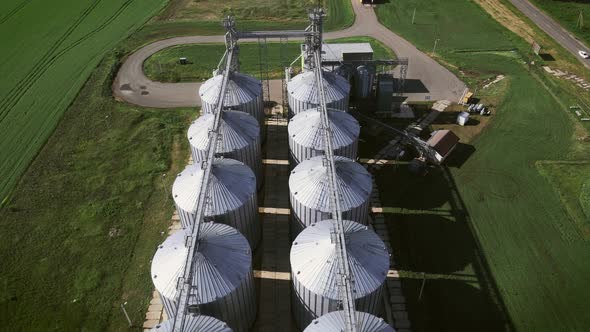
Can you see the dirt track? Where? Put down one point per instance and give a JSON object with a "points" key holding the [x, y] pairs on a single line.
{"points": [[426, 78]]}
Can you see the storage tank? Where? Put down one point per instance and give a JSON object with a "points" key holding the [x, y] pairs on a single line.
{"points": [[363, 81], [309, 194], [314, 269], [195, 323], [345, 70], [232, 196], [385, 90], [335, 322], [240, 139], [222, 275], [303, 92], [243, 93], [306, 135]]}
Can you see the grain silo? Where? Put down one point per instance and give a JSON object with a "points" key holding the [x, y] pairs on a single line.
{"points": [[243, 93], [314, 269], [232, 198], [345, 70], [309, 192], [363, 81], [303, 92], [385, 90], [335, 322], [306, 135], [223, 282], [240, 139], [195, 323]]}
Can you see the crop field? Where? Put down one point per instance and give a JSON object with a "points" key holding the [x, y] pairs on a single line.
{"points": [[82, 225], [268, 13], [567, 13], [164, 66], [530, 261], [49, 50]]}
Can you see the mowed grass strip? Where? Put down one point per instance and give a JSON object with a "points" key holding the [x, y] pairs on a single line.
{"points": [[538, 258], [164, 66], [49, 50], [80, 230]]}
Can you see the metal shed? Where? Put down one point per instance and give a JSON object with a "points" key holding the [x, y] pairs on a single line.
{"points": [[232, 196], [222, 275], [240, 135], [314, 268], [306, 134], [309, 188]]}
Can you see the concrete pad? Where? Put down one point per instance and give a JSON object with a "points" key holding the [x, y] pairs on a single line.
{"points": [[149, 324], [156, 300], [155, 307], [150, 315]]}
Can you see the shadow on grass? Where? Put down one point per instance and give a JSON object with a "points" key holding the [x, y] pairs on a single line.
{"points": [[431, 232]]}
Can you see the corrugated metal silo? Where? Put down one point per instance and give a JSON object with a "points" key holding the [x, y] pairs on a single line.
{"points": [[314, 269], [303, 95], [244, 94], [306, 135], [346, 71], [195, 323], [385, 90], [363, 81], [334, 322], [222, 277], [240, 139], [309, 187], [232, 196]]}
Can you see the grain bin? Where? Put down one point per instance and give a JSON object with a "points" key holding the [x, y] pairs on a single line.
{"points": [[335, 322], [310, 200], [314, 269], [306, 135], [194, 323], [346, 71], [303, 92], [385, 90], [232, 196], [222, 275], [243, 93], [240, 139], [363, 81]]}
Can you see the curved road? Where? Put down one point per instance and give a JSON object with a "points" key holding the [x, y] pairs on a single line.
{"points": [[553, 29], [437, 82]]}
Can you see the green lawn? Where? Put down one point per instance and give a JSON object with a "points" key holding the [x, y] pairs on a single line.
{"points": [[567, 13], [519, 230], [164, 66], [82, 225], [48, 51]]}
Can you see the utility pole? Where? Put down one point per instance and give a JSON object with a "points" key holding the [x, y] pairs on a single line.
{"points": [[581, 20], [414, 16], [126, 315], [434, 48], [423, 284]]}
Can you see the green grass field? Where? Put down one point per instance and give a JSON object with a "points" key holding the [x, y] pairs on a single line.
{"points": [[80, 230], [164, 66], [49, 50], [567, 13], [520, 238], [269, 14]]}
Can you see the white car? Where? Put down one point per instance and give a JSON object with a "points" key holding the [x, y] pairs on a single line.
{"points": [[584, 54]]}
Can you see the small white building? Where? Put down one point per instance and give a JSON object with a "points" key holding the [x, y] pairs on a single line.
{"points": [[342, 52]]}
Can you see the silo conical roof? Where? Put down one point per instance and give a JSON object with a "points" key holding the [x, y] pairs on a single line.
{"points": [[303, 87], [195, 323], [223, 261], [237, 129], [232, 184], [309, 183], [314, 259], [305, 129], [241, 89], [335, 322]]}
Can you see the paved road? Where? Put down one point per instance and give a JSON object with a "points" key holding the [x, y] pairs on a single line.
{"points": [[553, 29], [134, 87]]}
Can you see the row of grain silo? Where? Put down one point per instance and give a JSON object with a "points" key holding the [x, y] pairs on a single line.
{"points": [[316, 299], [222, 281]]}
